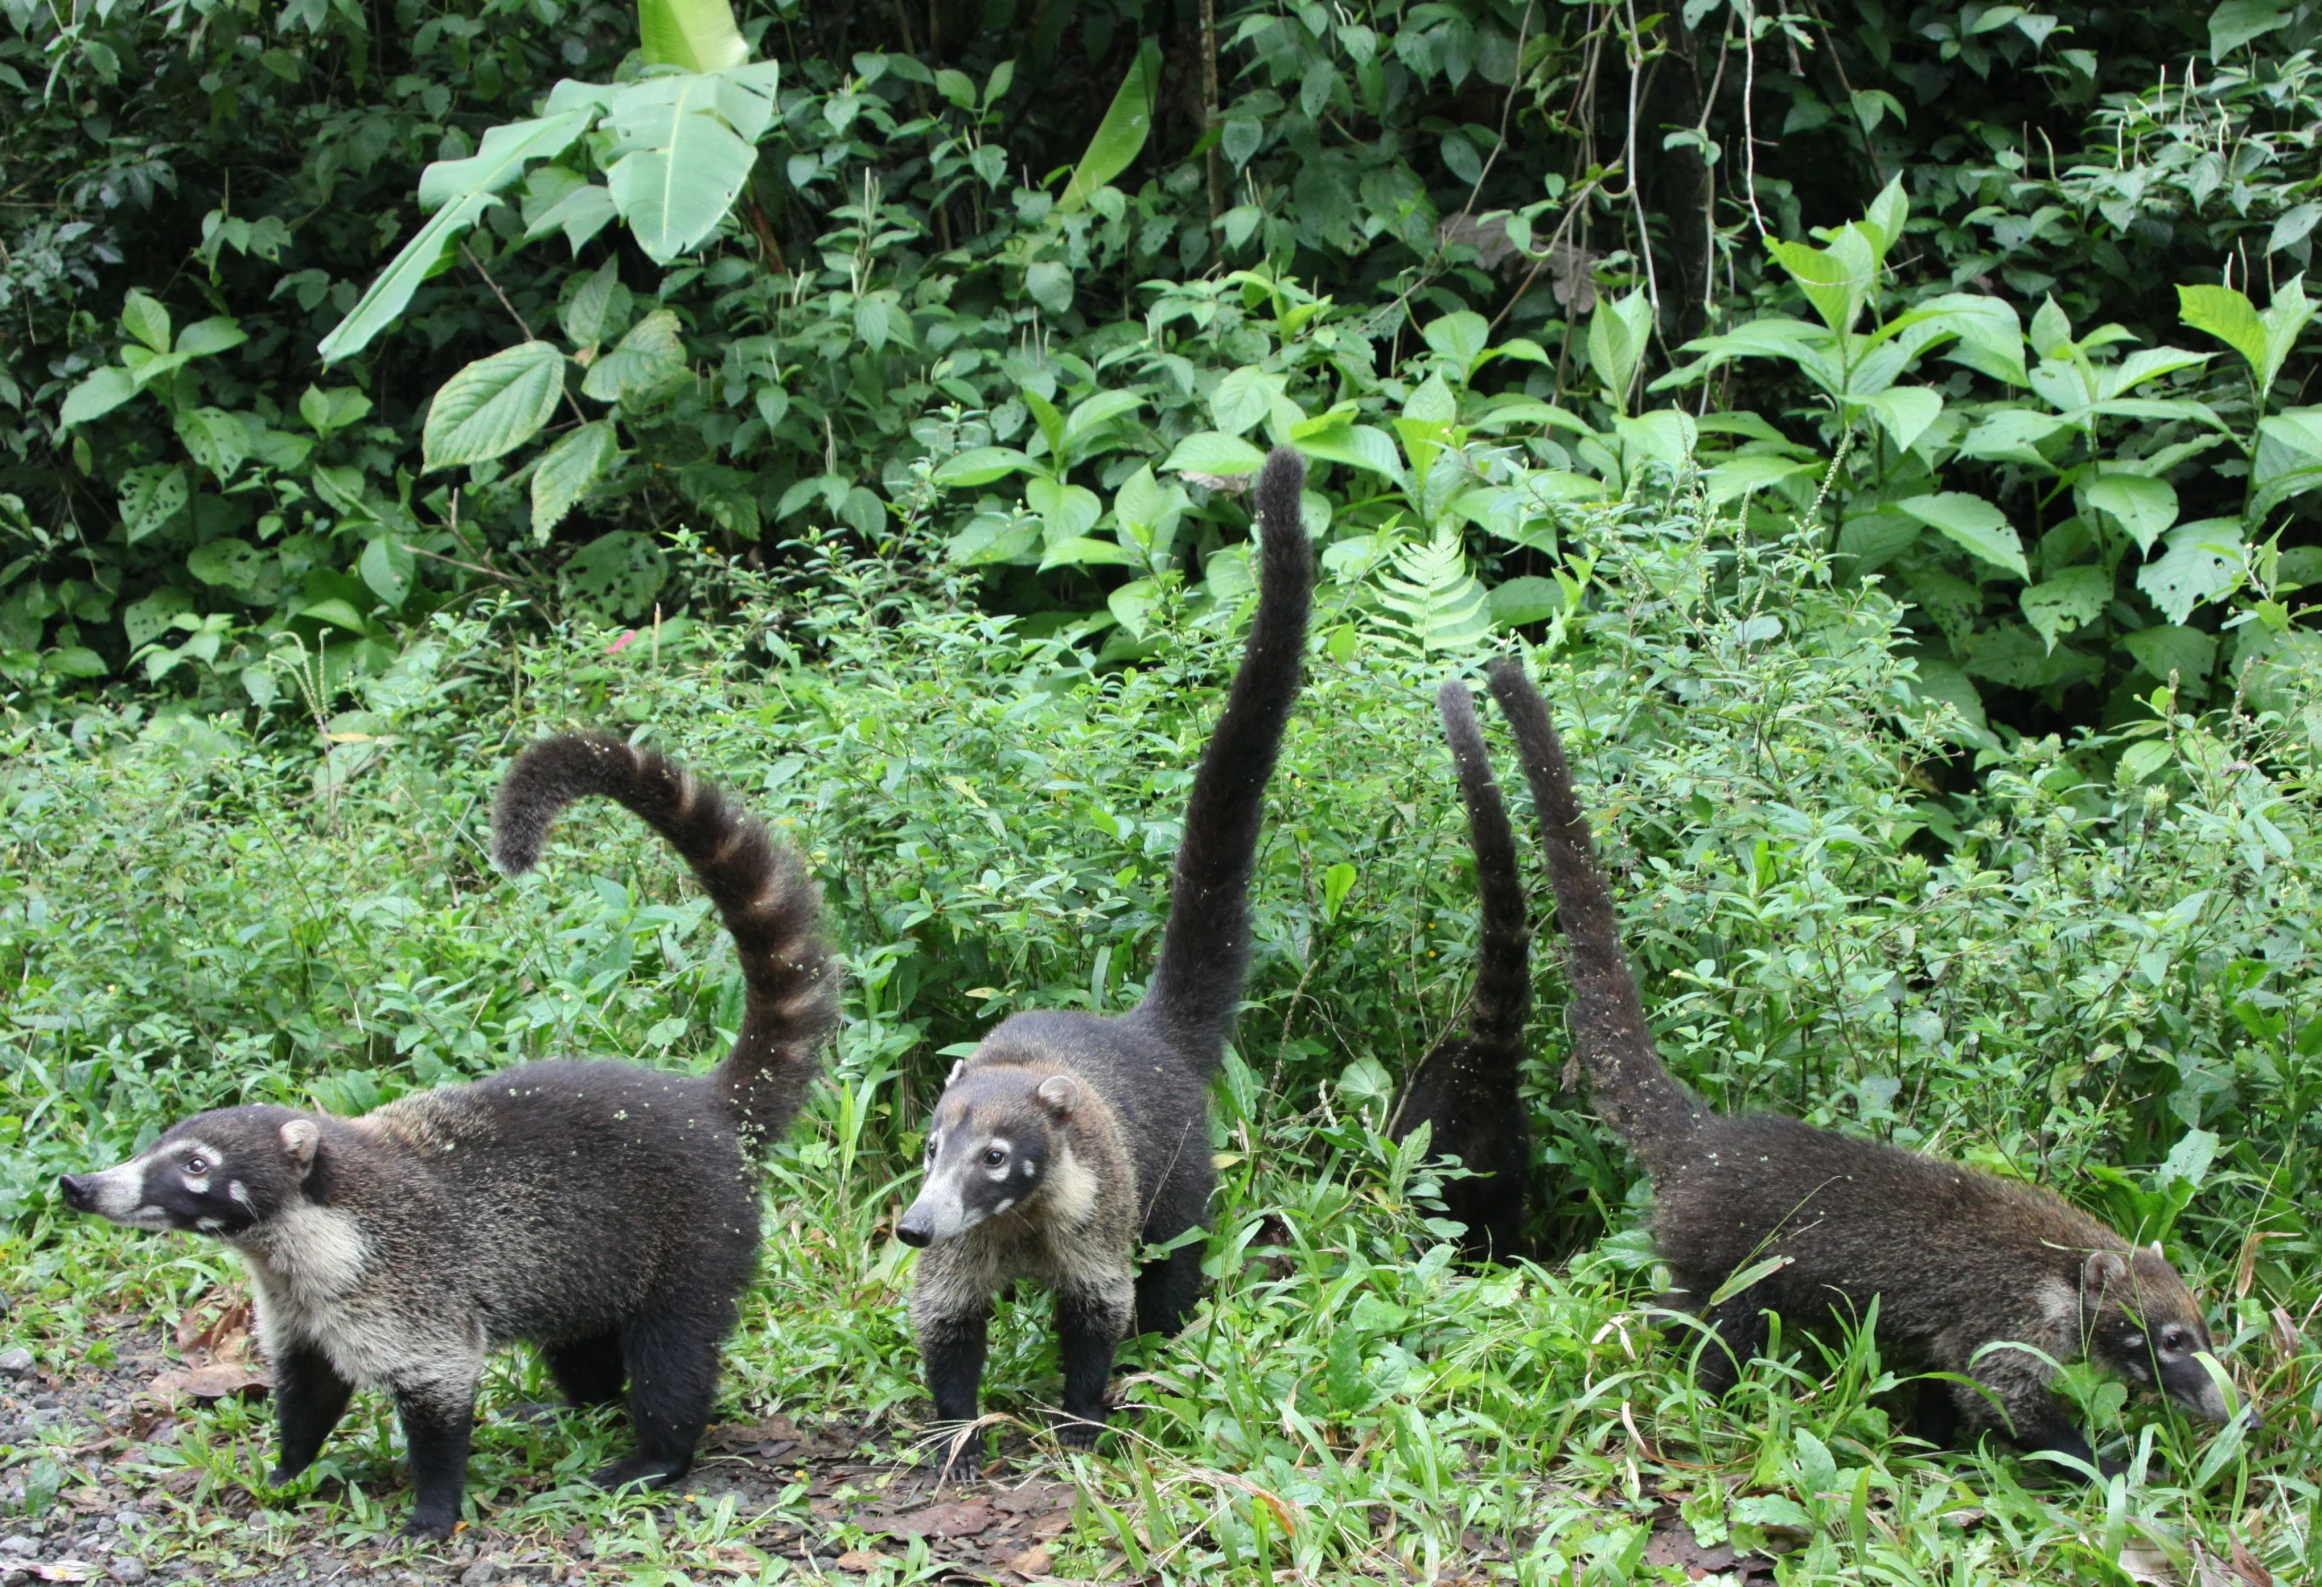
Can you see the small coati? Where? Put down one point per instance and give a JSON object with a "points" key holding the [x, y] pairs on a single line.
{"points": [[603, 1211], [1973, 1274], [1466, 1088], [1067, 1138]]}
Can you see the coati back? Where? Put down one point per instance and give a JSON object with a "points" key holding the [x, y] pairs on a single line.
{"points": [[1466, 1089], [1958, 1260], [1067, 1138], [603, 1211]]}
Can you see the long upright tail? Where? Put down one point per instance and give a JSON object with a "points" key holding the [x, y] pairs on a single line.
{"points": [[1634, 1091], [1503, 979], [1205, 953], [768, 903]]}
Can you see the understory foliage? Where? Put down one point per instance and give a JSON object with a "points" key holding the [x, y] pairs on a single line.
{"points": [[323, 320], [2089, 975]]}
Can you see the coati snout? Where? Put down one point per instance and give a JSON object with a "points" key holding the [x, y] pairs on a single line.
{"points": [[2145, 1324], [988, 1150], [216, 1173]]}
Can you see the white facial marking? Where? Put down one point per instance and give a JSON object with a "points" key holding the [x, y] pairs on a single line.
{"points": [[118, 1194]]}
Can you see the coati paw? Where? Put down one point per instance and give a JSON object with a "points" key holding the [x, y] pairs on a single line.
{"points": [[640, 1468], [1076, 1433], [436, 1528]]}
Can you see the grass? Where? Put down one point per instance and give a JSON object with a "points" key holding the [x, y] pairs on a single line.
{"points": [[200, 912]]}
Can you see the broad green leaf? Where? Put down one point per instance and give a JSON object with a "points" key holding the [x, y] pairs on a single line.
{"points": [[143, 621], [584, 314], [99, 394], [2072, 599], [2012, 435], [698, 35], [387, 565], [1972, 524], [1092, 418], [1874, 539], [2171, 647], [335, 611], [1617, 335], [493, 406], [2144, 508], [150, 497], [567, 471], [328, 412], [146, 320], [206, 337], [2263, 340], [1048, 282], [231, 562], [650, 357], [459, 191], [618, 573], [1837, 287], [682, 148], [217, 440], [983, 464], [1991, 336], [2143, 758], [1530, 599], [1884, 219], [1121, 136], [1460, 340], [2289, 457], [1244, 397], [1751, 471], [2203, 560], [1209, 452], [1081, 551], [1066, 511], [1337, 882], [1904, 412], [2236, 22], [1131, 602]]}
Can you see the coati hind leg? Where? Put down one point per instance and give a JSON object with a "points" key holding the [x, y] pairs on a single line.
{"points": [[1732, 1336], [1090, 1321], [672, 1362], [1166, 1290], [309, 1399], [589, 1371]]}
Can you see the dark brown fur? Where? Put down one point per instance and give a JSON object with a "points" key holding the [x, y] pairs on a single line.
{"points": [[1971, 1273], [1465, 1090]]}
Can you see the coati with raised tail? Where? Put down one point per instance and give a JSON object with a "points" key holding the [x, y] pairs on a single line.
{"points": [[603, 1211], [1958, 1260], [1067, 1138], [1466, 1088]]}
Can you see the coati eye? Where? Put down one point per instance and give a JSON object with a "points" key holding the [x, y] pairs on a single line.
{"points": [[994, 1157], [197, 1165], [2176, 1341]]}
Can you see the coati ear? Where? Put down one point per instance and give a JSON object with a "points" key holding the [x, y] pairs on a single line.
{"points": [[2103, 1269], [1060, 1095], [300, 1138], [2157, 1251], [957, 1064]]}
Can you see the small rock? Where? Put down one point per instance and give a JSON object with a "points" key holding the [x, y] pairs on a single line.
{"points": [[16, 1361], [129, 1568], [481, 1574], [19, 1545]]}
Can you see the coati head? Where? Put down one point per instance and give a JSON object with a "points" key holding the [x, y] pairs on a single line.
{"points": [[999, 1141], [217, 1173], [2140, 1320]]}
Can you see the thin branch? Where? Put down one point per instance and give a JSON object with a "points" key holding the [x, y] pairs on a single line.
{"points": [[1507, 110]]}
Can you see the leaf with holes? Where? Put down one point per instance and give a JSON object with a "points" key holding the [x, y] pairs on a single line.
{"points": [[150, 497], [2144, 508], [2202, 562], [2073, 598], [617, 574], [493, 406]]}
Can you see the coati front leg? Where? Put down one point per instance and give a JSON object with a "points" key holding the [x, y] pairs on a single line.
{"points": [[2027, 1412], [672, 1362], [1733, 1335], [439, 1418], [951, 1312], [309, 1399], [1090, 1322]]}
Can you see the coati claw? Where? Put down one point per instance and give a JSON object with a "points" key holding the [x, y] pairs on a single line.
{"points": [[640, 1468]]}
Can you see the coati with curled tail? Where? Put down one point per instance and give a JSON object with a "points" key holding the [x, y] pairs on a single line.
{"points": [[1466, 1088], [603, 1211], [1067, 1138], [1958, 1259]]}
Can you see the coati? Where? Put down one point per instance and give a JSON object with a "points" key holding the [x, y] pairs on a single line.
{"points": [[1466, 1088], [1067, 1138], [603, 1211], [1973, 1274]]}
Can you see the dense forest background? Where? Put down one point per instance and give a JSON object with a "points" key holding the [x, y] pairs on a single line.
{"points": [[1494, 262]]}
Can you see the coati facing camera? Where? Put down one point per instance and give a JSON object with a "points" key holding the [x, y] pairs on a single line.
{"points": [[1066, 1138], [1466, 1088], [603, 1211], [1958, 1259]]}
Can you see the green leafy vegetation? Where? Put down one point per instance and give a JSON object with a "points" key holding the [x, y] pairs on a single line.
{"points": [[2094, 980], [1892, 434]]}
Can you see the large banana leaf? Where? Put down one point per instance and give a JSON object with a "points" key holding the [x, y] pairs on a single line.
{"points": [[1120, 137]]}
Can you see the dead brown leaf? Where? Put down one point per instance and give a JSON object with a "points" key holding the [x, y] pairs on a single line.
{"points": [[212, 1383], [1034, 1561], [860, 1561], [2249, 1568], [945, 1520]]}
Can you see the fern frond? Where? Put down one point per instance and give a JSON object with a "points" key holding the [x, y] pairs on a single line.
{"points": [[1432, 605]]}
